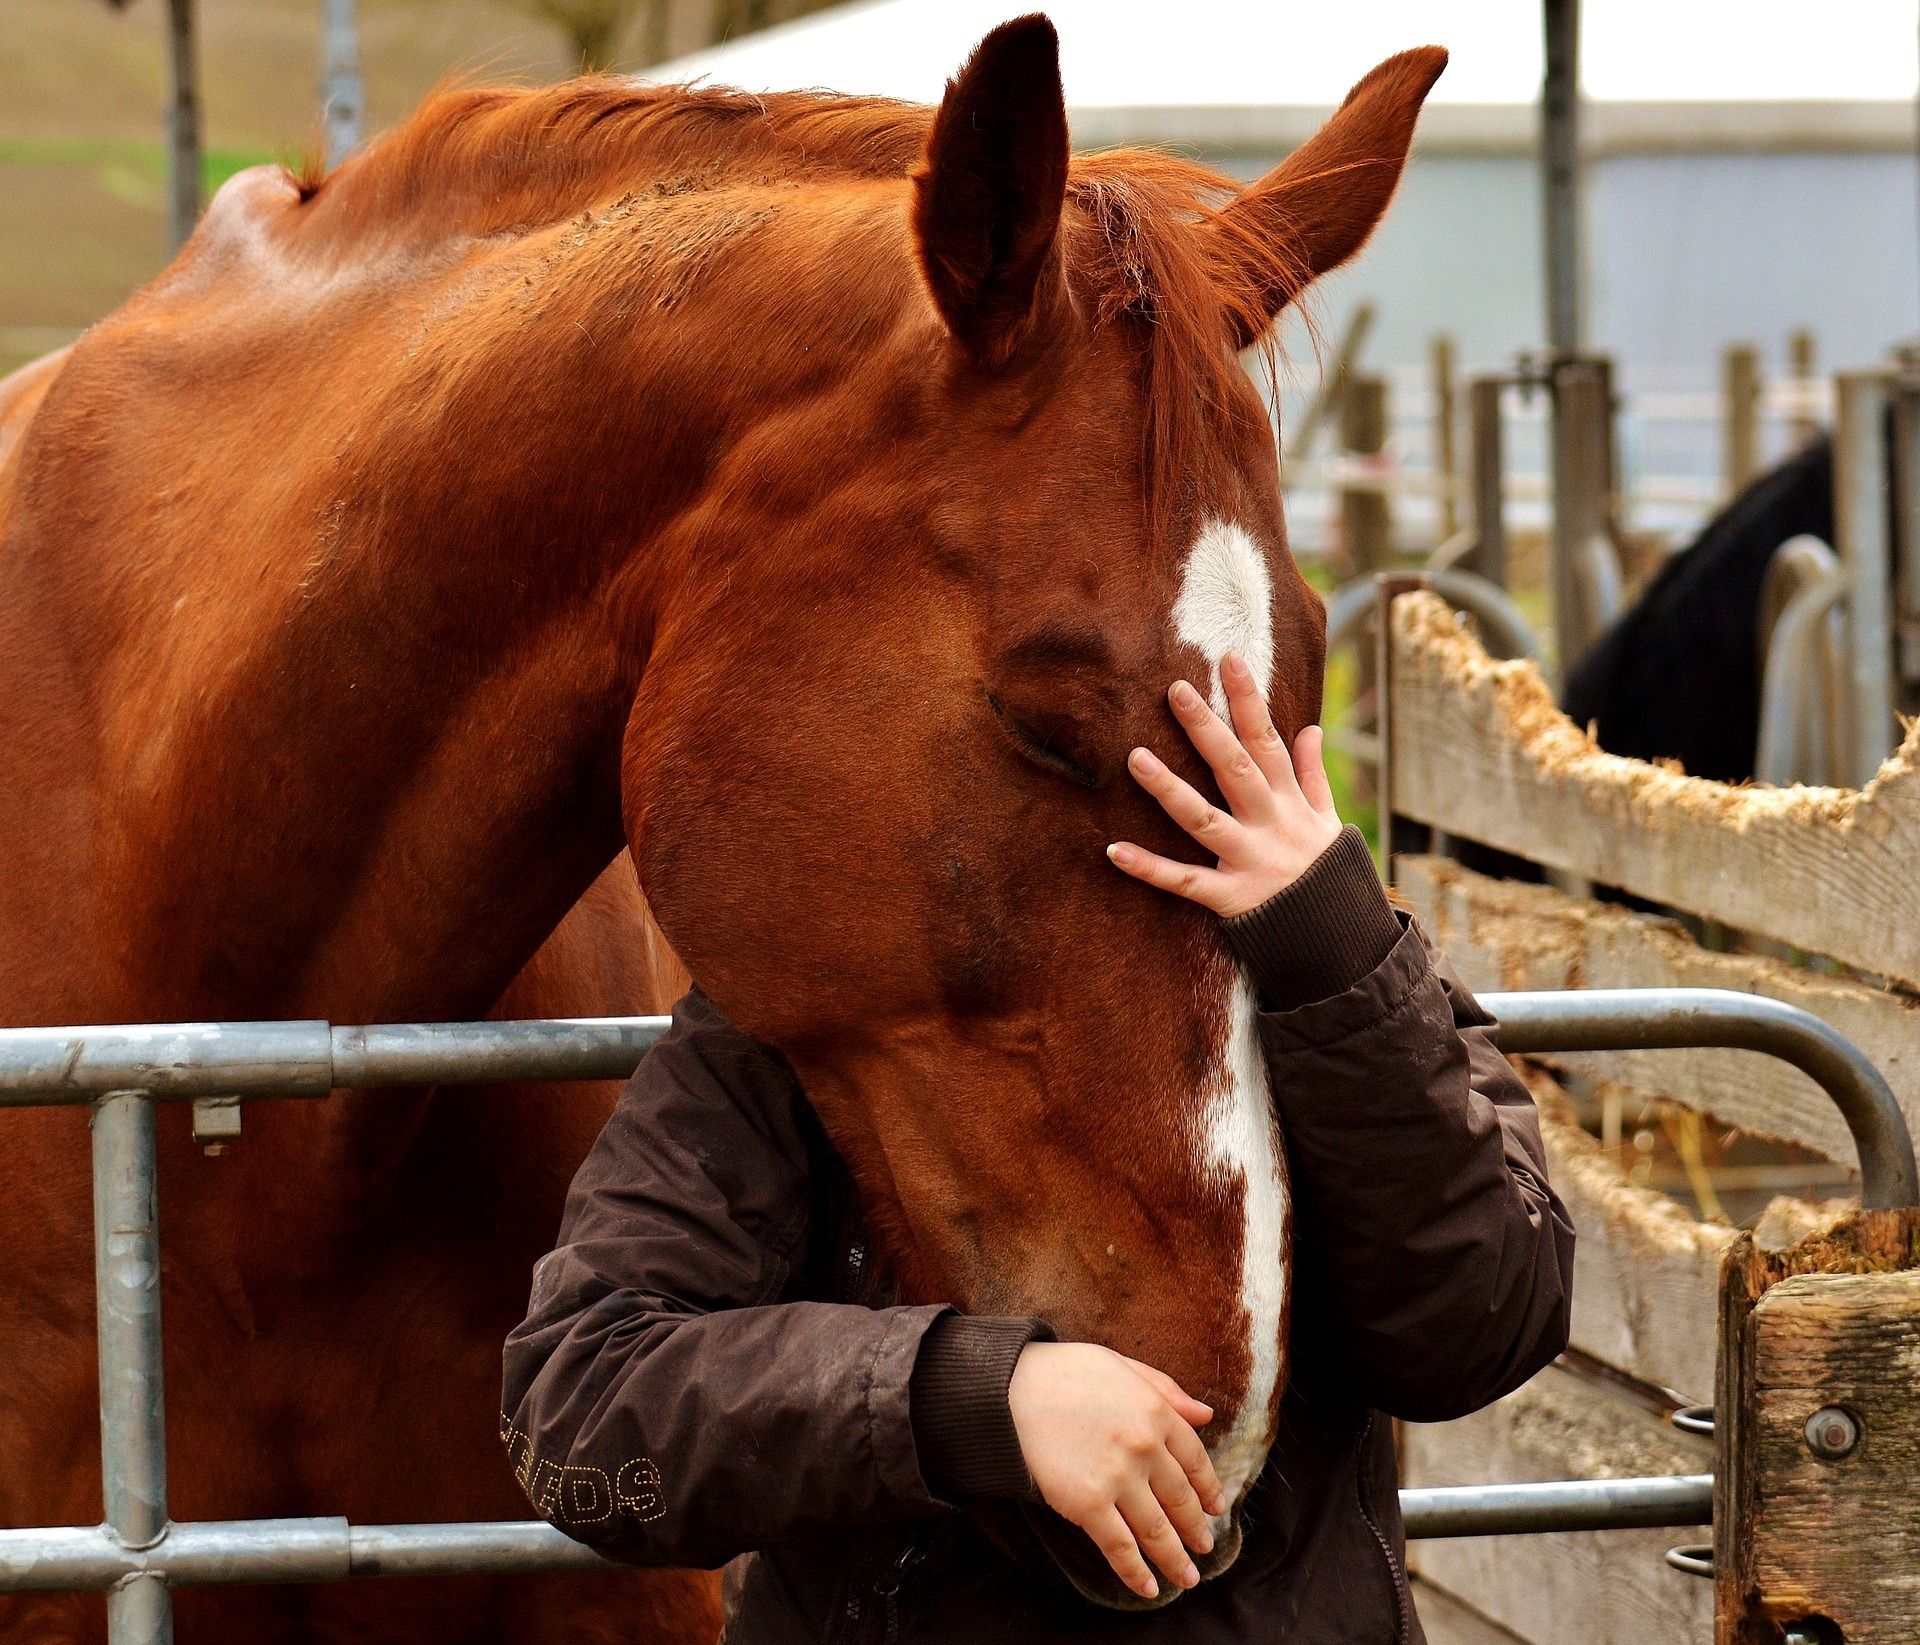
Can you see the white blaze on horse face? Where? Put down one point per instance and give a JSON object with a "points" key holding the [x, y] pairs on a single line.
{"points": [[1226, 604]]}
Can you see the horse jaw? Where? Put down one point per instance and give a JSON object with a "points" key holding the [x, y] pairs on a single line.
{"points": [[1225, 604]]}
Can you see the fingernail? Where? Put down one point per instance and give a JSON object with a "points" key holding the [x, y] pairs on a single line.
{"points": [[1152, 1589], [1184, 696], [1206, 1540], [1144, 762], [1119, 854], [1190, 1577], [1233, 663]]}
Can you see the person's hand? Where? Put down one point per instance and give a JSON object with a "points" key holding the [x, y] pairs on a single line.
{"points": [[1111, 1445], [1281, 815]]}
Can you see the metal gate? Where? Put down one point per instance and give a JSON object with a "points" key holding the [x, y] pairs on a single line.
{"points": [[139, 1554]]}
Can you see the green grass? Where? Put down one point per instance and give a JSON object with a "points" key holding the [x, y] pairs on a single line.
{"points": [[122, 167], [1352, 784]]}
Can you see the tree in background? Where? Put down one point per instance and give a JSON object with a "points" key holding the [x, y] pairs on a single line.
{"points": [[654, 29], [183, 121], [595, 27]]}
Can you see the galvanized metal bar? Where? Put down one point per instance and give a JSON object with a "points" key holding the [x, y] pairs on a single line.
{"points": [[1560, 1505], [576, 1048], [168, 1060], [133, 1410], [223, 1552], [1624, 1019], [178, 1061]]}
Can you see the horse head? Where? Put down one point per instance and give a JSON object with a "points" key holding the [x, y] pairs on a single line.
{"points": [[1007, 479]]}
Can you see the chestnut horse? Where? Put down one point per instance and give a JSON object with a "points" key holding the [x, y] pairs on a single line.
{"points": [[814, 496]]}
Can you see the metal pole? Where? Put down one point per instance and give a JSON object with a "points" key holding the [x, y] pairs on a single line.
{"points": [[1560, 173], [133, 1413], [1653, 1019], [343, 93], [183, 124], [1558, 1505]]}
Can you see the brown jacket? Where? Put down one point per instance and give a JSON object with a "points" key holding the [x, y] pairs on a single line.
{"points": [[711, 1365]]}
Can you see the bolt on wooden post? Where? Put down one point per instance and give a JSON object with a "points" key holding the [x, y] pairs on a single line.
{"points": [[1817, 1437]]}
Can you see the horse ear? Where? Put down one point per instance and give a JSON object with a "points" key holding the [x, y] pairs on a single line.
{"points": [[988, 193], [1320, 205]]}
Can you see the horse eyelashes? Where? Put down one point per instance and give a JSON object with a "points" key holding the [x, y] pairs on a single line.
{"points": [[1040, 748]]}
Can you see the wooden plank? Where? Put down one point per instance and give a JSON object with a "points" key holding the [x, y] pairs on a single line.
{"points": [[1584, 1588], [1479, 749], [1447, 1621], [1834, 1319], [1501, 934], [1646, 1276]]}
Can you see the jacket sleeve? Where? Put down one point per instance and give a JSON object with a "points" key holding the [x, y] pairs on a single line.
{"points": [[662, 1402], [1433, 1261]]}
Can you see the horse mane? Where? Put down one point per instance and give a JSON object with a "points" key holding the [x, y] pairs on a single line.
{"points": [[496, 160]]}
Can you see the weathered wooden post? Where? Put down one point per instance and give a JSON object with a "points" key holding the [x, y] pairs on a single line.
{"points": [[1585, 571], [1860, 519], [1906, 528], [183, 124], [1445, 466], [1366, 521], [1486, 457], [1817, 1437], [1804, 428], [1739, 417]]}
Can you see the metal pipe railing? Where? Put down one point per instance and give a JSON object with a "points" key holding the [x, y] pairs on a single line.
{"points": [[1666, 1019], [138, 1555], [225, 1551]]}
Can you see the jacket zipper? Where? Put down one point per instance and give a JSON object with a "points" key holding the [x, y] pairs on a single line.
{"points": [[1400, 1596], [856, 1265], [888, 1588]]}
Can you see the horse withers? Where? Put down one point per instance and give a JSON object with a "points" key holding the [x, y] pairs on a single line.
{"points": [[813, 495]]}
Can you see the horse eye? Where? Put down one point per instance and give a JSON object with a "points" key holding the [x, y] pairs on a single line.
{"points": [[1043, 748]]}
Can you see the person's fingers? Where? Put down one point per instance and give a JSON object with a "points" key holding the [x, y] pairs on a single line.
{"points": [[1206, 886], [1192, 1411], [1173, 1487], [1155, 1534], [1183, 1444], [1310, 768], [1206, 822], [1243, 784], [1252, 723], [1114, 1539]]}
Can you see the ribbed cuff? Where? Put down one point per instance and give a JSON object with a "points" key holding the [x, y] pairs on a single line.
{"points": [[1323, 933], [957, 1401]]}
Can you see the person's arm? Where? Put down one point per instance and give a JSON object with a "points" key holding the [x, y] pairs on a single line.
{"points": [[664, 1404], [661, 1401], [1431, 1247]]}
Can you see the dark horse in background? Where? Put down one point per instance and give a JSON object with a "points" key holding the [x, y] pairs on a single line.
{"points": [[1677, 677]]}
